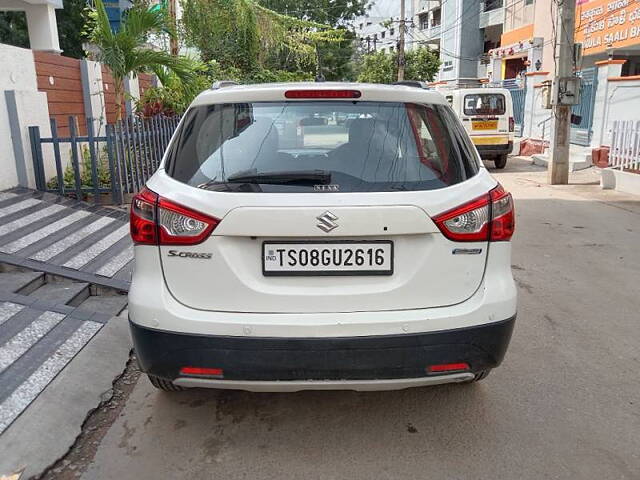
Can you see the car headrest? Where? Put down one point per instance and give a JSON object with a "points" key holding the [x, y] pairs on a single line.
{"points": [[361, 130]]}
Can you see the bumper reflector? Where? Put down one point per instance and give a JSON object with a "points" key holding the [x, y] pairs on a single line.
{"points": [[448, 367], [205, 372]]}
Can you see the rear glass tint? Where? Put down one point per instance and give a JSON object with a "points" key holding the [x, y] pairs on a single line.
{"points": [[320, 146], [484, 104]]}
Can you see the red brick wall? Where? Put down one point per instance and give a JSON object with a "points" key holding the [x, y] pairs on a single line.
{"points": [[65, 95], [145, 80]]}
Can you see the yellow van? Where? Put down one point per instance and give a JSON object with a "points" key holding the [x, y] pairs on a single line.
{"points": [[487, 115]]}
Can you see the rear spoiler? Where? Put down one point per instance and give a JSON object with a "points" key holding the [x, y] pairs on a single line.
{"points": [[412, 83]]}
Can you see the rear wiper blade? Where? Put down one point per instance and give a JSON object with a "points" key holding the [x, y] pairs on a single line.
{"points": [[313, 177]]}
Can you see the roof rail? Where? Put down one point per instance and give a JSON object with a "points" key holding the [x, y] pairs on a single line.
{"points": [[412, 83], [223, 83]]}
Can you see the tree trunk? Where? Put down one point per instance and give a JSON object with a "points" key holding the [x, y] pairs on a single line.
{"points": [[119, 97]]}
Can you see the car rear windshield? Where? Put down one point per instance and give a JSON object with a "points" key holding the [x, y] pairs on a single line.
{"points": [[327, 146], [484, 104]]}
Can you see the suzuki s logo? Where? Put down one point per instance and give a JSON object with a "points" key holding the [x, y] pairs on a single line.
{"points": [[326, 222]]}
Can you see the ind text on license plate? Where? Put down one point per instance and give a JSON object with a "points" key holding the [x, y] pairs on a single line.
{"points": [[327, 258]]}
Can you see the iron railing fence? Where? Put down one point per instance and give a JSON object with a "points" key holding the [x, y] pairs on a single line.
{"points": [[117, 163], [624, 153]]}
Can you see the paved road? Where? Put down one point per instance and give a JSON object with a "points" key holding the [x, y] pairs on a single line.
{"points": [[564, 405]]}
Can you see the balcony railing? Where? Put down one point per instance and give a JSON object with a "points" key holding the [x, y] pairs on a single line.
{"points": [[495, 16], [434, 32], [426, 5]]}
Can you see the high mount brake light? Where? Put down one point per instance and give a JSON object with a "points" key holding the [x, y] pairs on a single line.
{"points": [[157, 221], [490, 217], [323, 94]]}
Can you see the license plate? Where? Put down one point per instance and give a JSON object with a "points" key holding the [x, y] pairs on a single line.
{"points": [[484, 124], [327, 258]]}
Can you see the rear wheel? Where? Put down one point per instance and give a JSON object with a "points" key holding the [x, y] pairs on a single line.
{"points": [[162, 384], [481, 375], [501, 161]]}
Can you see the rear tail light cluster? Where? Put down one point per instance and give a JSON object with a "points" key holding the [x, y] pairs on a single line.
{"points": [[487, 218], [512, 124], [157, 221]]}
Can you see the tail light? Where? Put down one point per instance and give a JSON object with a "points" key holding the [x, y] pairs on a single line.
{"points": [[490, 217], [512, 124], [157, 221]]}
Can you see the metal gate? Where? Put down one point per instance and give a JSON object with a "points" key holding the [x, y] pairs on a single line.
{"points": [[518, 94], [116, 163], [581, 133]]}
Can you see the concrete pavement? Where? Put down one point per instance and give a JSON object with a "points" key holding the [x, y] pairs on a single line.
{"points": [[564, 405]]}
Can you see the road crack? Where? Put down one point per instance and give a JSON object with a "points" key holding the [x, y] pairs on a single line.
{"points": [[95, 426]]}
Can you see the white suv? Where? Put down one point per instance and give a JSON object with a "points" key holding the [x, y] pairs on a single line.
{"points": [[321, 236]]}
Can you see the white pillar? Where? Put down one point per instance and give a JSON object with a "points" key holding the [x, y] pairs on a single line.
{"points": [[495, 68], [43, 29], [606, 70], [93, 93], [132, 87], [534, 54], [530, 119], [26, 108]]}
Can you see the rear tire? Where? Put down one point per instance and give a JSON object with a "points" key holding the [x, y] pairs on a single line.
{"points": [[165, 385], [481, 375], [500, 162]]}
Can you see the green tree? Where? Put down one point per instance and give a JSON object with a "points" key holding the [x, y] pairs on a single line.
{"points": [[246, 36], [336, 58], [71, 20], [421, 64], [381, 67], [331, 12], [13, 29], [377, 67], [223, 30], [126, 52]]}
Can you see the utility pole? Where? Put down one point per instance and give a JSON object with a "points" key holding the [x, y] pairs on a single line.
{"points": [[173, 41], [561, 112], [401, 43]]}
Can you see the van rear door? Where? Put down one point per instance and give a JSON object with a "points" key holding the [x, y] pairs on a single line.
{"points": [[486, 117]]}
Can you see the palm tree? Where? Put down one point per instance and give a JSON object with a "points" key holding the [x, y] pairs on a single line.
{"points": [[127, 51]]}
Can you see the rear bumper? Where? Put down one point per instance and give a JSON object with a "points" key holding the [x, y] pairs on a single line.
{"points": [[497, 149], [361, 363]]}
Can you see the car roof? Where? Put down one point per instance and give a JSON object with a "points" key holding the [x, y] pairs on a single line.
{"points": [[269, 92], [465, 91]]}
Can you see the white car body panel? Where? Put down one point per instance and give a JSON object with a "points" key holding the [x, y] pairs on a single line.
{"points": [[423, 256], [152, 305]]}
